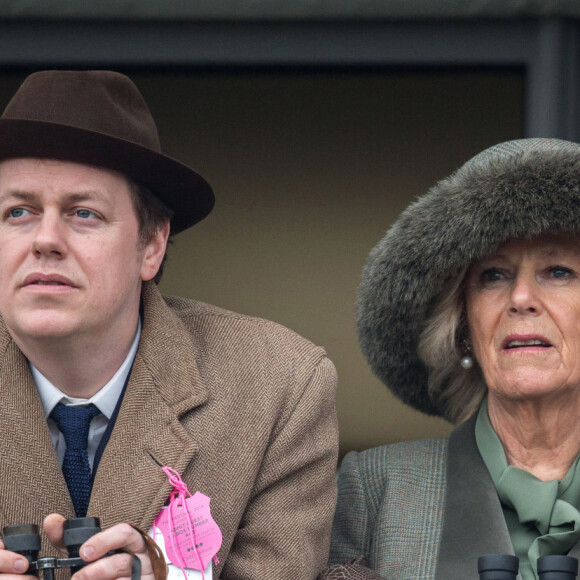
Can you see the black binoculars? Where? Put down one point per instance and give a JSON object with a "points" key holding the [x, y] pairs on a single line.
{"points": [[24, 539], [505, 567]]}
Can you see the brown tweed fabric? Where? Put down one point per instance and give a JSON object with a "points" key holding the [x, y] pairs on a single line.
{"points": [[353, 570], [243, 408]]}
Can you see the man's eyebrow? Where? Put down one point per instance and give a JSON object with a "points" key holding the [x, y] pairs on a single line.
{"points": [[26, 195], [18, 194]]}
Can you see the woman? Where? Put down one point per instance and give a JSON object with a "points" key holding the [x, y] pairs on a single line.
{"points": [[469, 309]]}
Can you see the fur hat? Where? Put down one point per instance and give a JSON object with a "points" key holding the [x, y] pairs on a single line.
{"points": [[100, 118], [514, 190]]}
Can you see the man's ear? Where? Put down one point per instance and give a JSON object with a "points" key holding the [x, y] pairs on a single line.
{"points": [[155, 252]]}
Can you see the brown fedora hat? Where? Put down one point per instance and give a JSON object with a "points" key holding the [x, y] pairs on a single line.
{"points": [[100, 118]]}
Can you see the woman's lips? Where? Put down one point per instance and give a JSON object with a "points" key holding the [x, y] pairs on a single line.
{"points": [[525, 341]]}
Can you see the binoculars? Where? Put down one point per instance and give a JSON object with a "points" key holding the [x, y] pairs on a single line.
{"points": [[24, 539], [505, 567]]}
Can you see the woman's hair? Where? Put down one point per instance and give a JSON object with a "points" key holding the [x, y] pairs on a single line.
{"points": [[441, 346]]}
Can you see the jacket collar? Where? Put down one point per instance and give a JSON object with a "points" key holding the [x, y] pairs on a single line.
{"points": [[165, 384], [473, 521], [168, 351]]}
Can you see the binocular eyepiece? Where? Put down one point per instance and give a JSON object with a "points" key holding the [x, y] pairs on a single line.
{"points": [[24, 539], [505, 567]]}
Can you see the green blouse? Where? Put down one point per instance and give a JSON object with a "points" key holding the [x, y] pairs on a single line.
{"points": [[542, 517]]}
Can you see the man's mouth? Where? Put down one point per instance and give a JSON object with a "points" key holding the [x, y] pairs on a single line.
{"points": [[43, 283], [47, 280]]}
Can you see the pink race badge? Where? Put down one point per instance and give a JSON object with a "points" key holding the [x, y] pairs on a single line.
{"points": [[191, 536]]}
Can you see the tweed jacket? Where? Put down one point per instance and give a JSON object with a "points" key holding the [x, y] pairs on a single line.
{"points": [[241, 407], [420, 510]]}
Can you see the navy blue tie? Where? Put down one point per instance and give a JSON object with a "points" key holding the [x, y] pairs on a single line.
{"points": [[74, 423]]}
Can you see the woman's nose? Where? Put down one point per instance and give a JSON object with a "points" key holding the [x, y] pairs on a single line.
{"points": [[524, 295]]}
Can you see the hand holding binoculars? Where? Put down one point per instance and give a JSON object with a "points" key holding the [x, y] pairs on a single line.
{"points": [[24, 539]]}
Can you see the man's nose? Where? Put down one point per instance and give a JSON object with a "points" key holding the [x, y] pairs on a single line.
{"points": [[49, 237]]}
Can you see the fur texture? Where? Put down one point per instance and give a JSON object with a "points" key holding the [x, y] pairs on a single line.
{"points": [[519, 189]]}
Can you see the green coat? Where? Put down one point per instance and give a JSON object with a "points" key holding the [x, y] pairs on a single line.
{"points": [[420, 509]]}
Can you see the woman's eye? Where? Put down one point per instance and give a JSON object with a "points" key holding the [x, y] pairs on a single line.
{"points": [[560, 272], [491, 275]]}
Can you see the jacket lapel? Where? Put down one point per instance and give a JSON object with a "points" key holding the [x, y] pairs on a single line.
{"points": [[130, 485], [473, 523], [31, 481]]}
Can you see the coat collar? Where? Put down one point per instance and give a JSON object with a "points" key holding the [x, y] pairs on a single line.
{"points": [[165, 384], [130, 486], [169, 353], [473, 521]]}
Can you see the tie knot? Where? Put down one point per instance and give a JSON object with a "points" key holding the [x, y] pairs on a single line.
{"points": [[74, 422]]}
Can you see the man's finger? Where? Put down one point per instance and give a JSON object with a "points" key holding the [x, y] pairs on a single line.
{"points": [[12, 563], [110, 568], [119, 537], [53, 526]]}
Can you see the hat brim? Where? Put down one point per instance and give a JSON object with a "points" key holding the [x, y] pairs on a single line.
{"points": [[179, 187], [517, 190]]}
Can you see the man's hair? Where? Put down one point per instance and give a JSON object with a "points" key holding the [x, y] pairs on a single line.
{"points": [[152, 214], [441, 345]]}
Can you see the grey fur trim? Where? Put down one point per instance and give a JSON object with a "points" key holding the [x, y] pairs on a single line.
{"points": [[518, 189]]}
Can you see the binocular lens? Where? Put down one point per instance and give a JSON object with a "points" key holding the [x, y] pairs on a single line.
{"points": [[498, 567], [77, 531], [23, 539], [557, 568]]}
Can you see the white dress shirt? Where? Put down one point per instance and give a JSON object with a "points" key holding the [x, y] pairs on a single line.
{"points": [[105, 400]]}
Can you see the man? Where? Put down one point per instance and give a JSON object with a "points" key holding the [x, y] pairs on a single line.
{"points": [[241, 408]]}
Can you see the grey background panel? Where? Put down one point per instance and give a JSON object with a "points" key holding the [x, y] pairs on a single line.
{"points": [[282, 9]]}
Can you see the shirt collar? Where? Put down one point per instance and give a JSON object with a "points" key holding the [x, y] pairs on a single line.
{"points": [[105, 399]]}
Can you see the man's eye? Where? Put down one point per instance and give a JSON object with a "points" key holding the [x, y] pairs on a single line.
{"points": [[85, 214], [17, 212]]}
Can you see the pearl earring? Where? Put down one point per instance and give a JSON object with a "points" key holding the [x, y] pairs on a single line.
{"points": [[466, 361]]}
